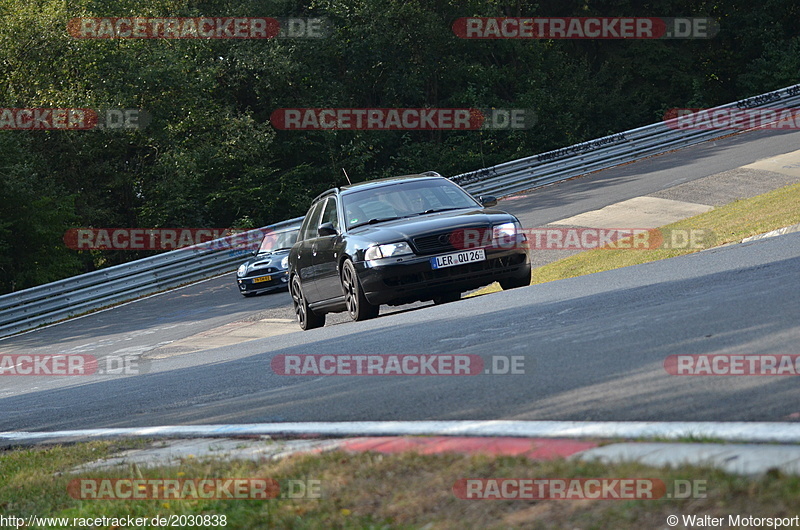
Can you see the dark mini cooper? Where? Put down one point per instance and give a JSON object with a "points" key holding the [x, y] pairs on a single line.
{"points": [[400, 240], [267, 270]]}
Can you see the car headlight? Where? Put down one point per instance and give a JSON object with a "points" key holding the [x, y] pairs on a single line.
{"points": [[285, 262], [242, 270], [389, 250], [505, 235]]}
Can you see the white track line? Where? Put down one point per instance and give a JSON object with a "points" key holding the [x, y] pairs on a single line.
{"points": [[728, 431]]}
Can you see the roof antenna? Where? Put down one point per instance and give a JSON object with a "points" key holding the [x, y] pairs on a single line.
{"points": [[345, 176]]}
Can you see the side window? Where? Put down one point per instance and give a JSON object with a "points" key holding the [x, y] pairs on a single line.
{"points": [[330, 215], [311, 222]]}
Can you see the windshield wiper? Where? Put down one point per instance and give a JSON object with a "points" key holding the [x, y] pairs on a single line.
{"points": [[376, 220], [434, 210]]}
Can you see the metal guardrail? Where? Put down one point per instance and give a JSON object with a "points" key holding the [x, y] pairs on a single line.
{"points": [[606, 152], [54, 301]]}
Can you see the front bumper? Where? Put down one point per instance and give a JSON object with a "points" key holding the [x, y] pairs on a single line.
{"points": [[277, 280], [413, 279]]}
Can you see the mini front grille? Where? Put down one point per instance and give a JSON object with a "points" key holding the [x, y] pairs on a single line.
{"points": [[262, 271]]}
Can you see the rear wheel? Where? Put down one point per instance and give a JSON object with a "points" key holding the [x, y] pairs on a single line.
{"points": [[357, 304], [446, 298], [306, 317]]}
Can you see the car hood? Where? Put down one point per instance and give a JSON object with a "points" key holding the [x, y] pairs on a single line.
{"points": [[267, 257], [412, 227]]}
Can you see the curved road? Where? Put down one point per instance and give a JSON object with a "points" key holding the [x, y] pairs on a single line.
{"points": [[593, 347]]}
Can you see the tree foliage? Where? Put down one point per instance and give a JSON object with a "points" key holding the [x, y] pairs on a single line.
{"points": [[209, 157]]}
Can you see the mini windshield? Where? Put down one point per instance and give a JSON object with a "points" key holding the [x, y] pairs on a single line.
{"points": [[403, 199], [274, 241]]}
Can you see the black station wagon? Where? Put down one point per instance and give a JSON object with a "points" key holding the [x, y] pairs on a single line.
{"points": [[400, 240]]}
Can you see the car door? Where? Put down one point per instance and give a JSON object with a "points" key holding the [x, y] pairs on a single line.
{"points": [[325, 252], [305, 265]]}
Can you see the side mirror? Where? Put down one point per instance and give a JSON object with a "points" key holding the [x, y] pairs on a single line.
{"points": [[487, 201], [326, 229]]}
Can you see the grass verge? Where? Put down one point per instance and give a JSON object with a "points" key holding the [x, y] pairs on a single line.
{"points": [[729, 224], [370, 490]]}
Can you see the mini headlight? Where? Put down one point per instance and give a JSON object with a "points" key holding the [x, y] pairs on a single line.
{"points": [[389, 250], [242, 270], [285, 262]]}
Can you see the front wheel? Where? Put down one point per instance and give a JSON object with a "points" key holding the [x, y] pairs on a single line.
{"points": [[357, 304], [446, 298], [513, 283], [306, 317]]}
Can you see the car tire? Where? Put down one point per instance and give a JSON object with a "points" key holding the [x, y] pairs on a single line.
{"points": [[446, 298], [513, 283], [306, 316], [357, 304]]}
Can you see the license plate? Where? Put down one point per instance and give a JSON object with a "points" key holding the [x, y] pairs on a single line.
{"points": [[262, 279], [458, 258]]}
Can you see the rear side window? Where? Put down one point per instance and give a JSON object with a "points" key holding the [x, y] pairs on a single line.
{"points": [[311, 222], [330, 215]]}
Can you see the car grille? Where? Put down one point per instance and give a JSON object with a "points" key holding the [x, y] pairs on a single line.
{"points": [[450, 241], [262, 271]]}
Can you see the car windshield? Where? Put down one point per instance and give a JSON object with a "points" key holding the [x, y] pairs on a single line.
{"points": [[403, 199], [274, 241]]}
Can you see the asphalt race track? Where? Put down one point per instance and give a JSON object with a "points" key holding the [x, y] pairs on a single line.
{"points": [[593, 347]]}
